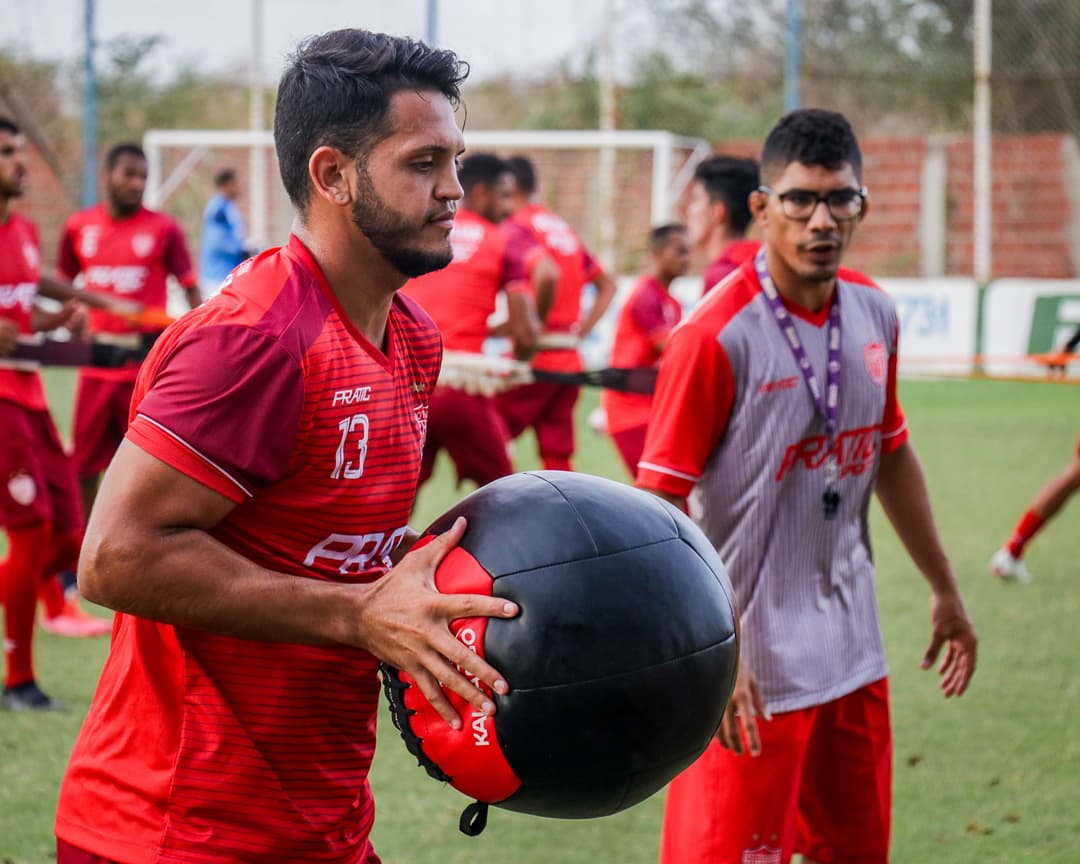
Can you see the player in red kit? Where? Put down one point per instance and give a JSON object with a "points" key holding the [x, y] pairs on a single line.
{"points": [[718, 214], [490, 256], [125, 251], [248, 528], [775, 420], [545, 406], [646, 320], [39, 500]]}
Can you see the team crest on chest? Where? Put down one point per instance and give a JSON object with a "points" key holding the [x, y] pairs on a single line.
{"points": [[877, 362], [420, 415], [142, 244]]}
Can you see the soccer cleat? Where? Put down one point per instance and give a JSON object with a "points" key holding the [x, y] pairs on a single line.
{"points": [[1009, 569], [75, 623], [28, 697]]}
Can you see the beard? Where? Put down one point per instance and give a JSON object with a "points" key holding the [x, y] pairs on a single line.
{"points": [[393, 235]]}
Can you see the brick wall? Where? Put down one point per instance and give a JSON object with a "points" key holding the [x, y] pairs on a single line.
{"points": [[1034, 214]]}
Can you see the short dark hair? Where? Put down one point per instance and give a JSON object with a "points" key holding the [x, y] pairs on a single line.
{"points": [[661, 234], [225, 175], [336, 92], [481, 168], [524, 173], [124, 148], [811, 136], [7, 125], [729, 180]]}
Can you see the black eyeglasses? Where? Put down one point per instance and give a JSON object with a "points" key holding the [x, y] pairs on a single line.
{"points": [[800, 204]]}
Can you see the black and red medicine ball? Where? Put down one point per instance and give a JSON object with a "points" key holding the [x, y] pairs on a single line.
{"points": [[620, 663]]}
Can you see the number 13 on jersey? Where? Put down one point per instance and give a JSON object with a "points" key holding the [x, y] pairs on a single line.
{"points": [[354, 434]]}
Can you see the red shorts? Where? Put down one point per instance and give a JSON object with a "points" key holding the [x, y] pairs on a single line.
{"points": [[630, 443], [68, 854], [38, 480], [821, 787], [546, 407], [101, 419], [470, 429]]}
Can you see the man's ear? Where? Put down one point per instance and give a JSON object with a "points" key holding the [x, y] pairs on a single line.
{"points": [[328, 169], [719, 212], [759, 207]]}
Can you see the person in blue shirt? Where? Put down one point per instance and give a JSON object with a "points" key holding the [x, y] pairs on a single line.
{"points": [[223, 242]]}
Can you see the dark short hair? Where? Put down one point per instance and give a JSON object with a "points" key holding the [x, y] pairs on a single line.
{"points": [[336, 92], [811, 136], [481, 169], [524, 173], [661, 234], [225, 175], [7, 125], [125, 148], [729, 180]]}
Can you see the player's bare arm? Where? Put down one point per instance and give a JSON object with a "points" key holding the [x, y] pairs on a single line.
{"points": [[523, 323], [902, 491], [605, 293], [148, 552], [544, 277], [740, 723], [72, 314], [9, 332]]}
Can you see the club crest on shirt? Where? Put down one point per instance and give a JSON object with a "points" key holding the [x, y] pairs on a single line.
{"points": [[420, 415], [31, 255], [22, 488], [877, 362], [142, 244], [88, 240], [761, 855]]}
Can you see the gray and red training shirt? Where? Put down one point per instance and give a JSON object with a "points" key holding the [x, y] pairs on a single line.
{"points": [[734, 428]]}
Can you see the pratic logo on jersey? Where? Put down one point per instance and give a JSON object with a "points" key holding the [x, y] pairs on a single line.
{"points": [[479, 719], [20, 295], [142, 244], [465, 239], [121, 280], [357, 553], [856, 450], [788, 383], [877, 362], [352, 396]]}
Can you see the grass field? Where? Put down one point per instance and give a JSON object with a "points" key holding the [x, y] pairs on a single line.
{"points": [[992, 777]]}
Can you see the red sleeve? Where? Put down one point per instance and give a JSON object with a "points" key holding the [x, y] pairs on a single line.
{"points": [[647, 313], [694, 395], [518, 257], [894, 428], [223, 407], [177, 258], [67, 262]]}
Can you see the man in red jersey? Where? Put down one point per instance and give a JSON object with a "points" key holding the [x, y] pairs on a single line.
{"points": [[247, 530], [125, 251], [646, 320], [39, 499], [776, 413], [718, 214], [545, 406], [490, 256]]}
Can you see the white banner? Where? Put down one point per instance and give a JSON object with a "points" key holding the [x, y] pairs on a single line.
{"points": [[938, 319], [1028, 316]]}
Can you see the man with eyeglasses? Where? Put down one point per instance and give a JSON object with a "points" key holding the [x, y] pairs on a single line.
{"points": [[776, 418]]}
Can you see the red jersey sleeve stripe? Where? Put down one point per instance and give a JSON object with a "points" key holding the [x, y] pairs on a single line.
{"points": [[174, 451]]}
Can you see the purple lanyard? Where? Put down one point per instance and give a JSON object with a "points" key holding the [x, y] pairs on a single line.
{"points": [[828, 408]]}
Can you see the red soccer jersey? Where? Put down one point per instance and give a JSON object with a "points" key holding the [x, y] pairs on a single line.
{"points": [[200, 747], [461, 296], [20, 265], [576, 269], [128, 258], [732, 258], [647, 317]]}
